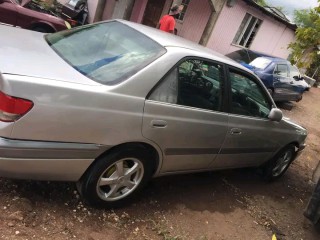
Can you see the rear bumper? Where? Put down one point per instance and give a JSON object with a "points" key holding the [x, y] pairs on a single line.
{"points": [[39, 160]]}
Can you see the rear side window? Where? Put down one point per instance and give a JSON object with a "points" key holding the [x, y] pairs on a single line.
{"points": [[108, 53], [194, 83]]}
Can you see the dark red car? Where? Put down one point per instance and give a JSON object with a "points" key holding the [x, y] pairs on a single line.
{"points": [[17, 13]]}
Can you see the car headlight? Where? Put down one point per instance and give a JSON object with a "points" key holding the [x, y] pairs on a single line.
{"points": [[67, 24]]}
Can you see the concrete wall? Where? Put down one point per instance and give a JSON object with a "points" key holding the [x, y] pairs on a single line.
{"points": [[272, 37]]}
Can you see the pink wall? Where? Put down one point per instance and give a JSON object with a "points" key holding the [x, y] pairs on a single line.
{"points": [[195, 20], [272, 38]]}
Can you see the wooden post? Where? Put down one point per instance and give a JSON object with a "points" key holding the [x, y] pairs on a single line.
{"points": [[216, 8]]}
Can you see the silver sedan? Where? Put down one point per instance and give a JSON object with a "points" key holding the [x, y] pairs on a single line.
{"points": [[113, 104]]}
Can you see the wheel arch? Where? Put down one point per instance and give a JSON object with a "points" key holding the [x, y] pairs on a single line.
{"points": [[154, 152], [43, 24], [294, 143]]}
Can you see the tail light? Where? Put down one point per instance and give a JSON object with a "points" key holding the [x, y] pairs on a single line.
{"points": [[12, 108]]}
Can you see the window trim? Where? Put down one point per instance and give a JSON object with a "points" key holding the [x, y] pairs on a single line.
{"points": [[256, 80], [224, 102], [245, 27]]}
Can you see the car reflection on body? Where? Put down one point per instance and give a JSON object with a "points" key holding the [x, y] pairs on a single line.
{"points": [[113, 104]]}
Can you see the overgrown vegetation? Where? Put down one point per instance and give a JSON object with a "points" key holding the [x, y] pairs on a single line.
{"points": [[306, 47]]}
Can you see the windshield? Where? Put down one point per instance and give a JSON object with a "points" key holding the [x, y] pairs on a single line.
{"points": [[108, 52], [260, 62], [243, 56]]}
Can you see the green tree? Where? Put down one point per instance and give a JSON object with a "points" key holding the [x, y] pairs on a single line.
{"points": [[303, 18], [305, 49], [262, 2]]}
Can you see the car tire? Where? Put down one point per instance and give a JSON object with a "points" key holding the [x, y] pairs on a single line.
{"points": [[279, 164], [115, 179]]}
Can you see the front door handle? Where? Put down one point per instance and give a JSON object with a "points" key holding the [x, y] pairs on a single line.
{"points": [[158, 123], [236, 131]]}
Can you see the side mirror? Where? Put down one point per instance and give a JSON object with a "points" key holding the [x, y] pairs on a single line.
{"points": [[275, 115], [298, 78]]}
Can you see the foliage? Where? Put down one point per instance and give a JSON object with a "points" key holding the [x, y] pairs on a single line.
{"points": [[47, 5], [262, 2], [305, 50], [302, 18]]}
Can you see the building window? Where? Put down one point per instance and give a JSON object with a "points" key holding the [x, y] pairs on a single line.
{"points": [[185, 4], [247, 31]]}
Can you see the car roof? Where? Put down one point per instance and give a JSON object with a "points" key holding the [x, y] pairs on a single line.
{"points": [[170, 40]]}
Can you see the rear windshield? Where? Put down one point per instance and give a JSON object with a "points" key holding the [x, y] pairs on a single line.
{"points": [[260, 63], [108, 52]]}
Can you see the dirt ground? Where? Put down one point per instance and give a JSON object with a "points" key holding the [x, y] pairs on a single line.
{"points": [[218, 205]]}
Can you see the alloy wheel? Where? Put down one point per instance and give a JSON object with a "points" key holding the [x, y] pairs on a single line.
{"points": [[282, 163], [120, 179]]}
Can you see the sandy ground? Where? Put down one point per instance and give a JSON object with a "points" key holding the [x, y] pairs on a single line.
{"points": [[232, 204]]}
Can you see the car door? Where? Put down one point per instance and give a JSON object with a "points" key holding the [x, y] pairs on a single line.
{"points": [[283, 84], [249, 140], [183, 115], [8, 12], [297, 82]]}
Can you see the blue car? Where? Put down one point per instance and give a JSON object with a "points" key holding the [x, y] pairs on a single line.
{"points": [[283, 80]]}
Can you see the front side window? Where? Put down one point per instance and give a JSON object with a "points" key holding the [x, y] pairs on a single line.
{"points": [[108, 52], [281, 70], [294, 71], [194, 83], [247, 31], [248, 97]]}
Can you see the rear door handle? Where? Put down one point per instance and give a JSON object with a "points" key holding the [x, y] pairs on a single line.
{"points": [[158, 123], [235, 131]]}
